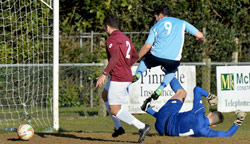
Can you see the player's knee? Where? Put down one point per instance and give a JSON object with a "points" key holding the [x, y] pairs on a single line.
{"points": [[183, 94], [113, 112], [114, 109]]}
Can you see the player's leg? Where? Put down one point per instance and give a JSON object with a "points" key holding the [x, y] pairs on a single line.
{"points": [[128, 118], [140, 70], [175, 85], [118, 130], [171, 108], [146, 63], [169, 67], [167, 78], [180, 93], [116, 98], [147, 107]]}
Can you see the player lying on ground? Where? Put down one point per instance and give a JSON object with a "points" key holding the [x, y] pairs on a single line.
{"points": [[191, 123], [121, 56], [164, 45]]}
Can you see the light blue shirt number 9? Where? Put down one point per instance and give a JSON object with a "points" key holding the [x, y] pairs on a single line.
{"points": [[168, 27]]}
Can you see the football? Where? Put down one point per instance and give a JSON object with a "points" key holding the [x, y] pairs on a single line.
{"points": [[25, 132]]}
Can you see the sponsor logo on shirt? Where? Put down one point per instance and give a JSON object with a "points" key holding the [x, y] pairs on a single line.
{"points": [[110, 45], [174, 101]]}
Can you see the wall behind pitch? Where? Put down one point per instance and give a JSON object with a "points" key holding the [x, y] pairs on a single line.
{"points": [[150, 81]]}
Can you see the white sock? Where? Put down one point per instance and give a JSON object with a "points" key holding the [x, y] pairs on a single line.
{"points": [[114, 118], [129, 119], [138, 124]]}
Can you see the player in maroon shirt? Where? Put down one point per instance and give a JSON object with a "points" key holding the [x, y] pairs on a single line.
{"points": [[121, 56]]}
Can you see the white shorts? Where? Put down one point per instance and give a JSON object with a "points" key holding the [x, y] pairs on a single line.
{"points": [[117, 92]]}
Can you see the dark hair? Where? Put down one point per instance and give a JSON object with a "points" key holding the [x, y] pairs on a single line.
{"points": [[112, 21], [163, 9], [217, 117]]}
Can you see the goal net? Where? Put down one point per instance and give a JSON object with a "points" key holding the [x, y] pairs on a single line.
{"points": [[26, 63]]}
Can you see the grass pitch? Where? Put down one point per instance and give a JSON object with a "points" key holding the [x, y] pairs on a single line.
{"points": [[82, 125]]}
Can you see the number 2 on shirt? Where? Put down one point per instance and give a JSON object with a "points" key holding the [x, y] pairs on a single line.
{"points": [[168, 27], [128, 50]]}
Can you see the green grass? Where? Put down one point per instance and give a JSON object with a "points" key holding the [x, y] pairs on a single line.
{"points": [[98, 124], [105, 124], [78, 111], [82, 119]]}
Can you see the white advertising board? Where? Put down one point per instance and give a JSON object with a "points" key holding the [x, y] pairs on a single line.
{"points": [[151, 80], [233, 88]]}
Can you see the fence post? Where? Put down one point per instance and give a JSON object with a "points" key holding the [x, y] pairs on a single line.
{"points": [[235, 57], [92, 42], [81, 75], [235, 53], [91, 93], [102, 108], [206, 77]]}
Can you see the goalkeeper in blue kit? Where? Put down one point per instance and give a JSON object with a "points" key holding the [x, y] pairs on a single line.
{"points": [[192, 123]]}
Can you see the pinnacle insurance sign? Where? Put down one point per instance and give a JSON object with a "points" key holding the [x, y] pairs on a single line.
{"points": [[151, 80], [233, 88]]}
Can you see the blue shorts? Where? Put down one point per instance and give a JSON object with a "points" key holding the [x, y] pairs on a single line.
{"points": [[171, 107], [153, 61]]}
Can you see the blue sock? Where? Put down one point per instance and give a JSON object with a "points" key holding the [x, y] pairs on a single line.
{"points": [[167, 78], [175, 85], [141, 68], [151, 112]]}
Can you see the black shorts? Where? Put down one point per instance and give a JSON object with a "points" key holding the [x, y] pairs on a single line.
{"points": [[153, 61]]}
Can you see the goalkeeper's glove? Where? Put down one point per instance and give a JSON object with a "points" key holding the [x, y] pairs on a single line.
{"points": [[212, 99], [240, 116]]}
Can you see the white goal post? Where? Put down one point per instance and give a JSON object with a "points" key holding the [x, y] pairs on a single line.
{"points": [[56, 65], [29, 63]]}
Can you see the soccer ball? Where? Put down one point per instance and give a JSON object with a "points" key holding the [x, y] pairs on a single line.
{"points": [[25, 132]]}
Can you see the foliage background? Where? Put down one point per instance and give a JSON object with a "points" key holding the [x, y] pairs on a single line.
{"points": [[223, 20]]}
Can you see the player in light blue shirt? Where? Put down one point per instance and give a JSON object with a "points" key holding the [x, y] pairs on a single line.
{"points": [[164, 46], [194, 123]]}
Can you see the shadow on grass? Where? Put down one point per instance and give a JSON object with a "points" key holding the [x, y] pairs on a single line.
{"points": [[88, 113], [148, 135], [80, 138], [14, 139]]}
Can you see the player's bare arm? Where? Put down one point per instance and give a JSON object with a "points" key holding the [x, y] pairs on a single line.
{"points": [[112, 62], [100, 80], [145, 48]]}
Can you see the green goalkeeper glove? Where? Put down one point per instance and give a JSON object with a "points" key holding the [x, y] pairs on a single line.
{"points": [[240, 116]]}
